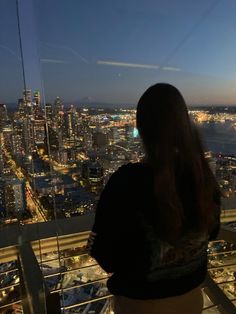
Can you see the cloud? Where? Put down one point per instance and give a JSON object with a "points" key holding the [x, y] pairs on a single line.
{"points": [[138, 65], [129, 65], [53, 61], [170, 69]]}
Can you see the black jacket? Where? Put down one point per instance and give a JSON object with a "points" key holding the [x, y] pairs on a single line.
{"points": [[126, 245]]}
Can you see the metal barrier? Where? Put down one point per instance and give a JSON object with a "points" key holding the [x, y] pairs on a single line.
{"points": [[57, 276]]}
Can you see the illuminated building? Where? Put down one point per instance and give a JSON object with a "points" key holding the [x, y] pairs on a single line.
{"points": [[17, 139], [58, 105], [135, 132], [71, 122], [36, 105], [212, 164], [99, 139], [114, 135], [58, 112], [2, 186], [17, 145], [21, 107], [46, 185], [27, 96], [25, 104], [92, 173], [38, 131], [49, 113], [14, 196], [7, 132], [3, 115], [28, 135], [63, 156], [52, 139], [1, 153], [37, 97], [129, 131], [87, 140]]}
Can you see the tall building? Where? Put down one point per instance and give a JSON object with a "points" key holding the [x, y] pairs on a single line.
{"points": [[129, 129], [100, 139], [2, 200], [25, 104], [52, 138], [1, 154], [59, 115], [92, 173], [3, 115], [114, 135], [58, 106], [36, 105], [7, 134], [14, 196], [17, 138], [21, 107], [63, 157], [49, 113], [37, 97], [27, 96], [71, 122], [87, 139], [28, 135], [39, 131]]}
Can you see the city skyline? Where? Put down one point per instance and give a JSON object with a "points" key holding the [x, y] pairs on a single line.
{"points": [[106, 52], [77, 149], [54, 163]]}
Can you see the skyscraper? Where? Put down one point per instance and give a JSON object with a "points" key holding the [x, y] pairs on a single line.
{"points": [[25, 104], [100, 139], [1, 153], [14, 196], [38, 131], [70, 122], [92, 172], [28, 135], [2, 200], [3, 115], [37, 97], [49, 114], [27, 96], [17, 139], [58, 106], [36, 105]]}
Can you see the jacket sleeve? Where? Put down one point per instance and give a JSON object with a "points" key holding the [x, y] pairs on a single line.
{"points": [[104, 239], [216, 215]]}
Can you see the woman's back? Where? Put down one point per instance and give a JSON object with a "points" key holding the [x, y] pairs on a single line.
{"points": [[154, 219], [128, 244]]}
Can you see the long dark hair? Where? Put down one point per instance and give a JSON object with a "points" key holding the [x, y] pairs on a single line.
{"points": [[183, 182]]}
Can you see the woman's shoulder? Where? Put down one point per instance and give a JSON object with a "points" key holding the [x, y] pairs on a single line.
{"points": [[131, 174], [133, 168]]}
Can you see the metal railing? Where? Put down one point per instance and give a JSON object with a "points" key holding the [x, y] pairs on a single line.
{"points": [[56, 275]]}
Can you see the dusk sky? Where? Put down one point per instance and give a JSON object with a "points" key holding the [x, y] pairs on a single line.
{"points": [[111, 51]]}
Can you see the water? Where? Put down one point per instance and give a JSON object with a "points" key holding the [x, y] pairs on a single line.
{"points": [[219, 137]]}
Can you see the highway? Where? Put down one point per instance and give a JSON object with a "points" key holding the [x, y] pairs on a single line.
{"points": [[33, 203]]}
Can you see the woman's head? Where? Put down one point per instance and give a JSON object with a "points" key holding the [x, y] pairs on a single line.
{"points": [[183, 181], [163, 122]]}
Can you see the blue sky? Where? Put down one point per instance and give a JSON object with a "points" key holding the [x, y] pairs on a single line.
{"points": [[111, 51]]}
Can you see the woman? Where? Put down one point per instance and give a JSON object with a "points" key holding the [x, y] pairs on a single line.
{"points": [[155, 218]]}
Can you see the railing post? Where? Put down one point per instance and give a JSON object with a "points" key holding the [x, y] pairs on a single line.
{"points": [[219, 296], [53, 303], [33, 287]]}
